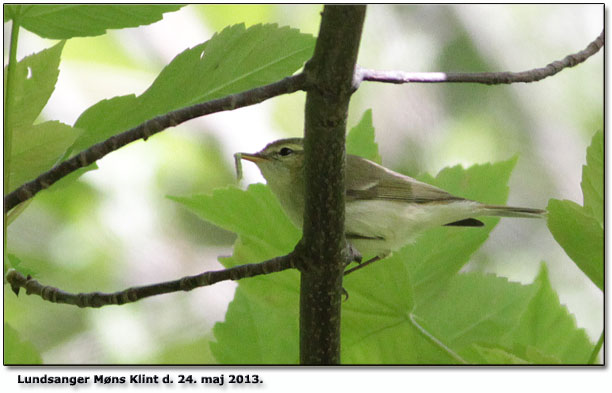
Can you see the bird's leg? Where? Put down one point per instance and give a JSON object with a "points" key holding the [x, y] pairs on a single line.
{"points": [[345, 293], [352, 255], [359, 266]]}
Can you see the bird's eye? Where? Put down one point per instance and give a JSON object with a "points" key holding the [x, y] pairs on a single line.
{"points": [[285, 151]]}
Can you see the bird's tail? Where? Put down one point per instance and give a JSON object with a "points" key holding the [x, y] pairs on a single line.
{"points": [[509, 211]]}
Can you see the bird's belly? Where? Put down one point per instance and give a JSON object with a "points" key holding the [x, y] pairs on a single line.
{"points": [[380, 227]]}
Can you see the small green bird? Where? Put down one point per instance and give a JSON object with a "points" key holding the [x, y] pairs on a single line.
{"points": [[385, 210]]}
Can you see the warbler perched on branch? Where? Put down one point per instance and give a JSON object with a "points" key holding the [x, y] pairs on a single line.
{"points": [[385, 210]]}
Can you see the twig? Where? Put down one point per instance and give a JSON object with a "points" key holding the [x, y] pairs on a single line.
{"points": [[488, 78], [362, 265], [133, 294], [259, 94], [150, 127], [596, 349]]}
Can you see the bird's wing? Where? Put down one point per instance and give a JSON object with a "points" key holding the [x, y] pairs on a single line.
{"points": [[378, 182]]}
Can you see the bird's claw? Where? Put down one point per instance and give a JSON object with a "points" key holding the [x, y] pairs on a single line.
{"points": [[353, 255]]}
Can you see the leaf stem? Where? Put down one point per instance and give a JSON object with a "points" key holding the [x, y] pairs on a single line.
{"points": [[431, 338], [596, 349], [8, 109]]}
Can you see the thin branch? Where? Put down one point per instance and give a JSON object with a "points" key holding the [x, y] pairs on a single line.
{"points": [[260, 94], [596, 349], [145, 130], [133, 294], [361, 265], [488, 78], [9, 86]]}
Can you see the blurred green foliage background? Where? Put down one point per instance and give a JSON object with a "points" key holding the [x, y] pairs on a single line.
{"points": [[115, 228]]}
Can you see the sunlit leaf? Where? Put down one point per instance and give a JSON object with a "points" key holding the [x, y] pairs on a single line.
{"points": [[35, 78], [34, 148], [15, 262], [580, 235], [261, 322], [593, 178], [61, 21], [188, 352], [360, 139], [37, 148], [217, 16], [261, 325], [375, 318], [441, 252], [497, 355], [474, 308], [232, 61], [255, 213], [546, 327], [17, 351]]}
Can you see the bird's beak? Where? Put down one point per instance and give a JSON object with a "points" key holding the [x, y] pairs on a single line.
{"points": [[252, 157]]}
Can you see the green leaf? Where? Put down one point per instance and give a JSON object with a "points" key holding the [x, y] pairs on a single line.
{"points": [[486, 183], [420, 282], [360, 139], [217, 16], [9, 12], [474, 318], [35, 78], [547, 328], [440, 253], [593, 179], [474, 308], [261, 322], [16, 351], [37, 148], [401, 310], [16, 263], [232, 61], [463, 323], [497, 355], [81, 20], [375, 324], [492, 354], [487, 319], [255, 213], [580, 235], [579, 230], [186, 352], [389, 340]]}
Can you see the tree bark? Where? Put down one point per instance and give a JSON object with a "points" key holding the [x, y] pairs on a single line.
{"points": [[330, 75]]}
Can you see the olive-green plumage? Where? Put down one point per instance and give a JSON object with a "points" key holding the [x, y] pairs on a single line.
{"points": [[384, 209]]}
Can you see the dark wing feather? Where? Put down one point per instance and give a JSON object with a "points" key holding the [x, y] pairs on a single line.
{"points": [[468, 222]]}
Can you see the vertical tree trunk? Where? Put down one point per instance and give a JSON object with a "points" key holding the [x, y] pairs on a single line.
{"points": [[330, 73]]}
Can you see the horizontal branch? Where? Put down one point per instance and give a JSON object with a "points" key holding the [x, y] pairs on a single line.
{"points": [[133, 294], [259, 94], [488, 78], [86, 157]]}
